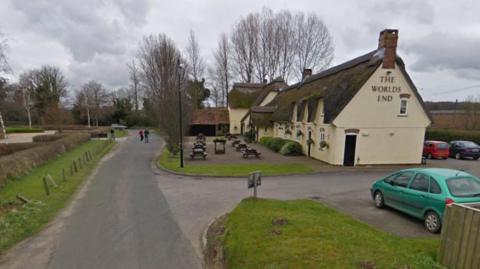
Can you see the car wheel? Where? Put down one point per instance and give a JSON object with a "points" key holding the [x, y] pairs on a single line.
{"points": [[458, 156], [429, 156], [476, 158], [378, 198], [432, 222]]}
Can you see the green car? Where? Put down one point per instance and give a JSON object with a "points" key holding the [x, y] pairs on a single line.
{"points": [[424, 192]]}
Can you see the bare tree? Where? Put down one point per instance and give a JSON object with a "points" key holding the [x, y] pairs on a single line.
{"points": [[222, 70], [244, 40], [266, 45], [95, 96], [27, 86], [313, 43], [159, 59], [4, 67], [135, 82], [194, 59]]}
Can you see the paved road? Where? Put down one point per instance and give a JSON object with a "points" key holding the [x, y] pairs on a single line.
{"points": [[124, 220], [121, 220]]}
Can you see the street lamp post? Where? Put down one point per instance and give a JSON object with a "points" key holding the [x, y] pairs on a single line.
{"points": [[179, 71]]}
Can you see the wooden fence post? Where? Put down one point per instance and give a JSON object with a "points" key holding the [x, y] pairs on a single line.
{"points": [[80, 162], [45, 185], [75, 168]]}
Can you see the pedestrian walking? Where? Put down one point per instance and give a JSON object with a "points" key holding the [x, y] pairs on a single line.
{"points": [[112, 134], [140, 133], [146, 133]]}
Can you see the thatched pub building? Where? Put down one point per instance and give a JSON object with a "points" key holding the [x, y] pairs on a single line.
{"points": [[361, 112]]}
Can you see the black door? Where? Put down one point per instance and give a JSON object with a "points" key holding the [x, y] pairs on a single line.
{"points": [[349, 155]]}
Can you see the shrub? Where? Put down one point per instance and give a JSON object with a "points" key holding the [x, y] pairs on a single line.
{"points": [[273, 143], [6, 149], [18, 163], [47, 138], [249, 136], [291, 148], [450, 135]]}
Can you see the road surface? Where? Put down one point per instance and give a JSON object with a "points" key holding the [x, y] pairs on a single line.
{"points": [[121, 221]]}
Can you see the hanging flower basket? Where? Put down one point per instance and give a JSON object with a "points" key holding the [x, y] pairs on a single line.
{"points": [[288, 132], [323, 145], [299, 133], [310, 141]]}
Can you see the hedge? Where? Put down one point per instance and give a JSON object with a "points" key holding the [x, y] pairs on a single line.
{"points": [[450, 135], [11, 130], [291, 148], [48, 137], [7, 149], [18, 163], [273, 143]]}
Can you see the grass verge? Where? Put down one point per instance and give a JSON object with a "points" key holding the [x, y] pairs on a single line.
{"points": [[120, 133], [306, 234], [11, 130], [18, 221], [172, 163]]}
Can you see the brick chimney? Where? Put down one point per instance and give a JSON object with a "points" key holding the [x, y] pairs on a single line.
{"points": [[388, 40], [306, 73]]}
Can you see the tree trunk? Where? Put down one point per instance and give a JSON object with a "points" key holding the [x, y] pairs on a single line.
{"points": [[29, 115], [3, 133], [88, 118]]}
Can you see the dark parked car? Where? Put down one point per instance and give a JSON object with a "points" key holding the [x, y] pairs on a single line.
{"points": [[464, 149], [436, 149]]}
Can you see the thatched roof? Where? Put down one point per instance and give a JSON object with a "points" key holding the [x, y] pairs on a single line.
{"points": [[210, 116], [336, 86], [246, 95], [242, 95]]}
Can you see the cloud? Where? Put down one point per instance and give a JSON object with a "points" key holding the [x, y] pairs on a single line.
{"points": [[88, 27], [454, 52]]}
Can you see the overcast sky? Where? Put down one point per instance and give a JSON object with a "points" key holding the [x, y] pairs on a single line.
{"points": [[94, 39]]}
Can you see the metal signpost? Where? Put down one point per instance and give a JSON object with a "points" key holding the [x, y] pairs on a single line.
{"points": [[254, 180]]}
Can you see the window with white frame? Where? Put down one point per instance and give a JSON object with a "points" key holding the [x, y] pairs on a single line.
{"points": [[403, 106], [322, 135]]}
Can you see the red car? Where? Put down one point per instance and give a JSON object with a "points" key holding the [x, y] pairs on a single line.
{"points": [[436, 149]]}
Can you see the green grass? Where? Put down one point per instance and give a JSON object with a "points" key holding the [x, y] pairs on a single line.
{"points": [[172, 163], [315, 237], [23, 129], [120, 133], [26, 220]]}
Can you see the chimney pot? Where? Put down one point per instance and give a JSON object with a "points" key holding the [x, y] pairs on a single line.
{"points": [[306, 73], [388, 41]]}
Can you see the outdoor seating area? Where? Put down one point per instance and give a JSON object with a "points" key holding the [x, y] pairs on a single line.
{"points": [[199, 148]]}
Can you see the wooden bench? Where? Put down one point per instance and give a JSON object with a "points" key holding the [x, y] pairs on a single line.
{"points": [[196, 152], [251, 152], [199, 146], [241, 147]]}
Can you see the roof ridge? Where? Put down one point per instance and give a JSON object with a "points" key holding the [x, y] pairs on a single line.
{"points": [[335, 69]]}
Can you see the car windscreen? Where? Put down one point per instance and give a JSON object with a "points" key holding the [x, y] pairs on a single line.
{"points": [[442, 146], [464, 187], [469, 144]]}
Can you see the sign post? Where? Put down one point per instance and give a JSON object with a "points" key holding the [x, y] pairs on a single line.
{"points": [[254, 180]]}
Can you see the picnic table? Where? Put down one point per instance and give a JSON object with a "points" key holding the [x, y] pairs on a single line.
{"points": [[241, 146], [198, 152], [251, 152], [234, 143]]}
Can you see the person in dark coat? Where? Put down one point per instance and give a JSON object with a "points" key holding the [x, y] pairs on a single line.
{"points": [[146, 133], [140, 133], [112, 134]]}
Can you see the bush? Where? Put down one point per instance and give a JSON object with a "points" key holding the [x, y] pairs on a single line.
{"points": [[450, 135], [249, 136], [7, 149], [18, 163], [47, 138], [273, 143], [291, 148]]}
